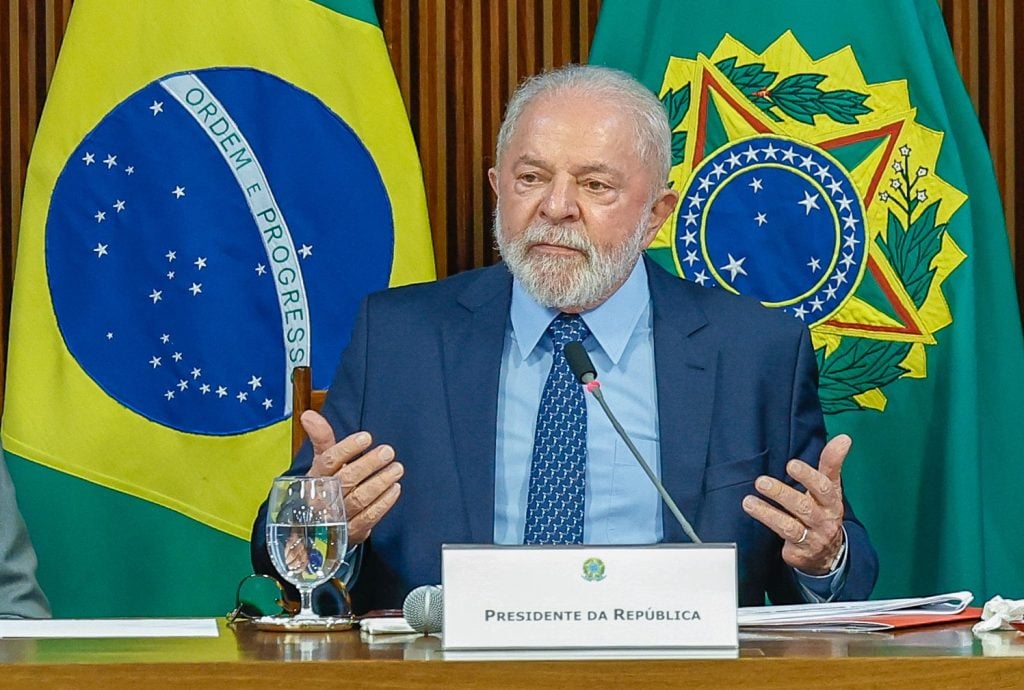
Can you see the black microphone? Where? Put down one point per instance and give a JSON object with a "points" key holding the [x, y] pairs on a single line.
{"points": [[424, 608], [583, 369]]}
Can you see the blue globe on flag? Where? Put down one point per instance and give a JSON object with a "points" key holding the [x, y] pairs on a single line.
{"points": [[214, 230]]}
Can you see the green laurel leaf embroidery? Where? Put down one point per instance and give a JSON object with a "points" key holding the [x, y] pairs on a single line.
{"points": [[678, 147], [912, 250], [677, 103], [857, 366], [798, 96]]}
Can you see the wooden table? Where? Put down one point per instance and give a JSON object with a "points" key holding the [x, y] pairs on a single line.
{"points": [[937, 656]]}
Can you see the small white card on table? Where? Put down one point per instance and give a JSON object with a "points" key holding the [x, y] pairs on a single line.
{"points": [[664, 596]]}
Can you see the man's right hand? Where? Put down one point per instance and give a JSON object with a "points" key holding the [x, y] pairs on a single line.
{"points": [[369, 476]]}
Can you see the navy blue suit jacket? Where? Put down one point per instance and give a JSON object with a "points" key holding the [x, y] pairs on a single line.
{"points": [[737, 397]]}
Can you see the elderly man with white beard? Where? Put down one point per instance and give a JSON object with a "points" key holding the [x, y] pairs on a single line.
{"points": [[448, 393]]}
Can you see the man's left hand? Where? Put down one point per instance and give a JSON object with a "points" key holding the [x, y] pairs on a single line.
{"points": [[811, 521]]}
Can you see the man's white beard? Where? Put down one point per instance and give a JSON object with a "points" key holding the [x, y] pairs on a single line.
{"points": [[569, 281]]}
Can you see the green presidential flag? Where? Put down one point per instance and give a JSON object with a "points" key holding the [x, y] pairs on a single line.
{"points": [[213, 188], [830, 164]]}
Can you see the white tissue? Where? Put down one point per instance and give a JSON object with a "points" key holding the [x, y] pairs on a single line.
{"points": [[997, 612]]}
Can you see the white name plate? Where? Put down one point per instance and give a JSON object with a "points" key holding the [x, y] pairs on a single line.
{"points": [[664, 596]]}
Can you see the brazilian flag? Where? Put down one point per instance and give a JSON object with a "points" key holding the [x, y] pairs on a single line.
{"points": [[831, 164], [213, 188]]}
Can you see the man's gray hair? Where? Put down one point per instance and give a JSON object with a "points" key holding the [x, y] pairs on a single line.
{"points": [[653, 135]]}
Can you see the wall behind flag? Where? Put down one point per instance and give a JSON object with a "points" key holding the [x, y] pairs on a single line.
{"points": [[456, 64]]}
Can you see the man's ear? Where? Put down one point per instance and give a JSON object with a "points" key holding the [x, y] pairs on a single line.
{"points": [[492, 176], [661, 208]]}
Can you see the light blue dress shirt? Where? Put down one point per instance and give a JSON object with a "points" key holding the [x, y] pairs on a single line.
{"points": [[622, 507]]}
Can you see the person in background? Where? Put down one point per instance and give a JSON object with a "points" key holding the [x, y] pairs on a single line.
{"points": [[20, 595]]}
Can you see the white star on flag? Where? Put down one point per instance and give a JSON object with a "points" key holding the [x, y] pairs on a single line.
{"points": [[165, 338], [176, 356], [196, 372], [256, 381], [182, 384], [205, 388], [691, 218], [101, 250], [200, 263], [171, 255], [718, 170], [178, 192], [769, 152], [155, 361], [306, 250], [705, 183], [735, 266], [806, 161], [110, 160], [816, 303], [701, 277], [260, 269], [157, 107], [221, 391], [100, 216], [130, 169], [156, 295], [851, 241], [850, 222], [830, 292], [815, 264], [756, 184], [170, 275], [196, 289], [800, 312], [89, 158], [267, 403], [695, 200], [789, 155], [110, 335], [750, 153], [844, 204], [119, 205], [733, 160], [835, 186], [169, 395], [809, 202], [822, 172], [761, 219], [242, 396], [689, 237], [691, 257]]}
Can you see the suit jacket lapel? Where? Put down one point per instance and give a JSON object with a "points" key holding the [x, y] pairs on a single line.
{"points": [[473, 338], [685, 370]]}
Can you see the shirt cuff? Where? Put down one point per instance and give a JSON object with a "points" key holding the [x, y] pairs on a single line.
{"points": [[818, 589]]}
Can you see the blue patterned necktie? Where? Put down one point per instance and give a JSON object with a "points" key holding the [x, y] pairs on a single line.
{"points": [[554, 509]]}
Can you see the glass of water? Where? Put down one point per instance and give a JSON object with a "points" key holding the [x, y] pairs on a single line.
{"points": [[307, 533]]}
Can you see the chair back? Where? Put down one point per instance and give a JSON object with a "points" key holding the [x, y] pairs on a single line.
{"points": [[304, 397]]}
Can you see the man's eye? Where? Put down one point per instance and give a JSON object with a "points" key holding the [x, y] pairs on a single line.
{"points": [[596, 186], [529, 178]]}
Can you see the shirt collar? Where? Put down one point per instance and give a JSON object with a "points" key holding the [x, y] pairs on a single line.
{"points": [[611, 323]]}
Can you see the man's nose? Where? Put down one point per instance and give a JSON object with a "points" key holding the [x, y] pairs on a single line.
{"points": [[561, 203]]}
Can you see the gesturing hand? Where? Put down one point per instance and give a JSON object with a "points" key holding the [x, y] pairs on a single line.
{"points": [[369, 476], [811, 521]]}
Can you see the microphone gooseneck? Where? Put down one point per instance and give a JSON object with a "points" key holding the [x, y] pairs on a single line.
{"points": [[585, 372], [423, 609]]}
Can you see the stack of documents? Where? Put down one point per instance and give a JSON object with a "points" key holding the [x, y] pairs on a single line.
{"points": [[883, 614]]}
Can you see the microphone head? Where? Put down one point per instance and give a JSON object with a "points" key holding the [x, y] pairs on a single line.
{"points": [[579, 361], [423, 609]]}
